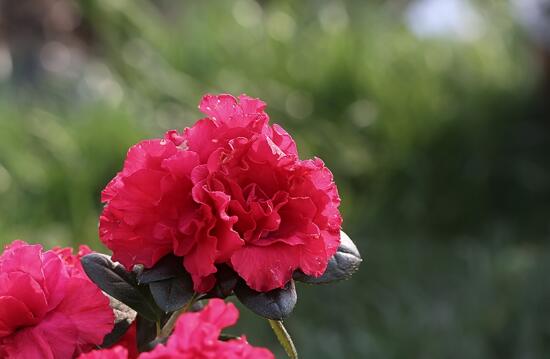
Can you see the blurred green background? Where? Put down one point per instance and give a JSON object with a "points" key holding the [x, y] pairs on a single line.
{"points": [[434, 116]]}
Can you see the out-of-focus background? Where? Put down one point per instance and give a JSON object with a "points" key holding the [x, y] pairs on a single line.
{"points": [[434, 116]]}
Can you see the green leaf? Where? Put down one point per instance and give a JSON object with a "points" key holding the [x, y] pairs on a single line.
{"points": [[341, 266], [168, 267], [276, 304], [284, 338], [172, 294], [116, 281]]}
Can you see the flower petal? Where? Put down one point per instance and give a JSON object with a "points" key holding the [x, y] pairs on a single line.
{"points": [[88, 308], [266, 268]]}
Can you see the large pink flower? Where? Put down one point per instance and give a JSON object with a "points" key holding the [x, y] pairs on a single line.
{"points": [[230, 189], [48, 309], [196, 337]]}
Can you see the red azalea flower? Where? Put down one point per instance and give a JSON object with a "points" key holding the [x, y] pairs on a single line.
{"points": [[196, 336], [48, 309], [230, 189]]}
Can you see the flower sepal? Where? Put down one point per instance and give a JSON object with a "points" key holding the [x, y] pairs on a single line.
{"points": [[276, 304], [342, 265], [170, 284]]}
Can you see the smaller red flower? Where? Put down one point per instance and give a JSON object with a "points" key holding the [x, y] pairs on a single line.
{"points": [[48, 308], [196, 336]]}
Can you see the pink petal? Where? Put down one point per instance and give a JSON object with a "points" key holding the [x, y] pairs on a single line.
{"points": [[283, 140], [181, 164], [60, 333], [313, 257], [23, 287], [148, 154], [201, 138], [220, 108], [86, 306], [13, 315], [266, 268], [23, 257], [240, 349], [28, 344], [220, 314], [56, 276], [117, 352], [200, 261]]}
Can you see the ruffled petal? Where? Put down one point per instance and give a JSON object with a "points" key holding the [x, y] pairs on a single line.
{"points": [[196, 336], [61, 334], [220, 314], [28, 343], [266, 268], [88, 308], [23, 287], [23, 257], [13, 315]]}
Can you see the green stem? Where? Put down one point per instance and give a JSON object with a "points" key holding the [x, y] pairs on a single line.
{"points": [[158, 328], [284, 338], [169, 326]]}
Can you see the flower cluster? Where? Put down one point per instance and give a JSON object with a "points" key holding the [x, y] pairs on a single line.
{"points": [[48, 307], [196, 336], [225, 207], [230, 190]]}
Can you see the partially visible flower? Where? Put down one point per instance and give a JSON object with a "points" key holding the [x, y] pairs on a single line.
{"points": [[231, 190], [196, 337], [117, 352], [48, 308]]}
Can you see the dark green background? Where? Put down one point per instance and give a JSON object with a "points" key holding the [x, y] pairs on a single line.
{"points": [[439, 145]]}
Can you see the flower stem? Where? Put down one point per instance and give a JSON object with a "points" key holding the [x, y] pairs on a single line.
{"points": [[169, 326], [284, 338], [158, 328]]}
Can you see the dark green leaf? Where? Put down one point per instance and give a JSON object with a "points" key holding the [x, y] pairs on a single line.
{"points": [[124, 316], [276, 304], [116, 281], [146, 333], [168, 267], [172, 294], [341, 266]]}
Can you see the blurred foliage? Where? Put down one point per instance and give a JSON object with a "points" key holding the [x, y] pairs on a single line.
{"points": [[439, 147]]}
